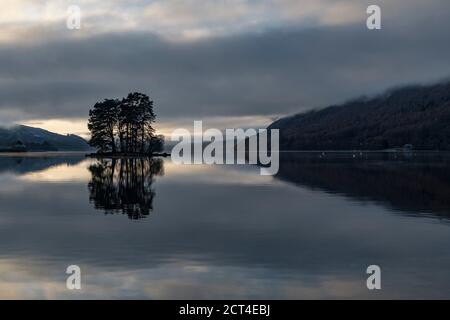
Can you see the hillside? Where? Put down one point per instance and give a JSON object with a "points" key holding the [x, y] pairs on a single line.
{"points": [[24, 138], [417, 115]]}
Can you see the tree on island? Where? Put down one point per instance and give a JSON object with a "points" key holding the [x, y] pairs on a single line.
{"points": [[124, 126]]}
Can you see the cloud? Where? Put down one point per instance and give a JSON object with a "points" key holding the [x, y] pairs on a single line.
{"points": [[284, 69], [187, 20], [322, 12], [171, 19]]}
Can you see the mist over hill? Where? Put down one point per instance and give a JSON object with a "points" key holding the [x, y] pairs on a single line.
{"points": [[416, 115], [24, 138]]}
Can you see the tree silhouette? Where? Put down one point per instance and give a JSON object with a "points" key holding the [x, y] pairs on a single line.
{"points": [[124, 126], [102, 123], [124, 185]]}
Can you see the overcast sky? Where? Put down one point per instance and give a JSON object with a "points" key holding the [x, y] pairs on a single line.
{"points": [[229, 63]]}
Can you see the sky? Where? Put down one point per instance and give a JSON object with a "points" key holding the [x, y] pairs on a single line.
{"points": [[230, 63]]}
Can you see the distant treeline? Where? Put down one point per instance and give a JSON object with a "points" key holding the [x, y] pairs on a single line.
{"points": [[124, 126], [415, 115]]}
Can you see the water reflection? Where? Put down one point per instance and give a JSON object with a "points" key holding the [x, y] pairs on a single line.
{"points": [[124, 185], [225, 231], [30, 163], [413, 184]]}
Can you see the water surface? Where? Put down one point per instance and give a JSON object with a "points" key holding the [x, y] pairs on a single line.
{"points": [[153, 229]]}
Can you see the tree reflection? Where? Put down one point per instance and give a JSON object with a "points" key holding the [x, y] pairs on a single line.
{"points": [[124, 185]]}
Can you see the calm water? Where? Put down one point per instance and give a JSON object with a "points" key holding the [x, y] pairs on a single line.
{"points": [[141, 229]]}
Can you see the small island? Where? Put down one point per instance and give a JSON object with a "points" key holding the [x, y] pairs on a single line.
{"points": [[124, 128]]}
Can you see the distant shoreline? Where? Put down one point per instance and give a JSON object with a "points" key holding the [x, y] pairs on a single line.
{"points": [[364, 151], [167, 154], [127, 155]]}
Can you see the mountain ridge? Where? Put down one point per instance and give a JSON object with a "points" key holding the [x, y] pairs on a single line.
{"points": [[24, 138]]}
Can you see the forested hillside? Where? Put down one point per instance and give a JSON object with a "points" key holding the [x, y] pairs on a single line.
{"points": [[416, 115]]}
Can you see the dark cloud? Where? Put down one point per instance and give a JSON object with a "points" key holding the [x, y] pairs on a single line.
{"points": [[275, 72]]}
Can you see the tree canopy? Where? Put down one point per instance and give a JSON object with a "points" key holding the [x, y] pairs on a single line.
{"points": [[124, 126]]}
